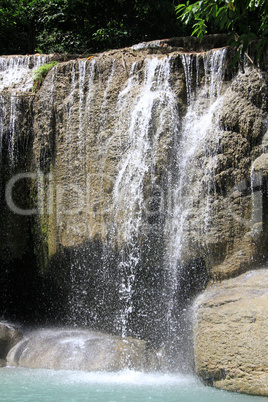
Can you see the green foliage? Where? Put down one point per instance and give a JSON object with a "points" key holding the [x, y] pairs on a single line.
{"points": [[40, 73], [244, 20], [112, 34], [78, 26], [82, 26]]}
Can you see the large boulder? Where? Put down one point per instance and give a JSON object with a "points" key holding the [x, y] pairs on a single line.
{"points": [[79, 350], [231, 334], [9, 336]]}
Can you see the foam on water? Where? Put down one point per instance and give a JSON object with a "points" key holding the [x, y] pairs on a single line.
{"points": [[130, 377]]}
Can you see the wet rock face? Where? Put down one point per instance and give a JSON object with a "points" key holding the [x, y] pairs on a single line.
{"points": [[96, 180], [80, 350], [231, 340], [84, 123], [235, 154]]}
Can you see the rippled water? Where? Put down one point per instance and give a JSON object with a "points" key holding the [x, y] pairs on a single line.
{"points": [[20, 385]]}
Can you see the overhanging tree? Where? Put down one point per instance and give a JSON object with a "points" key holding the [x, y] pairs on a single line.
{"points": [[244, 20]]}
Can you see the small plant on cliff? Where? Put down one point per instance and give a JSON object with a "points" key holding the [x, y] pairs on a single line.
{"points": [[40, 73]]}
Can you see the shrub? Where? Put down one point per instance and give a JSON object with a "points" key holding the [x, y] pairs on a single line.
{"points": [[40, 73]]}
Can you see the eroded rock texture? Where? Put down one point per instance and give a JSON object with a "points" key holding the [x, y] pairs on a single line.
{"points": [[231, 335], [231, 325]]}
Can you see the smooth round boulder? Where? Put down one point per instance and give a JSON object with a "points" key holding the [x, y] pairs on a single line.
{"points": [[78, 350], [231, 334]]}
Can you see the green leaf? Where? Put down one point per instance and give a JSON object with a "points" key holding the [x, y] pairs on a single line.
{"points": [[180, 8], [214, 11]]}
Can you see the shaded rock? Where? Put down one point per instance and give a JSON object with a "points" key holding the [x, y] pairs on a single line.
{"points": [[9, 336], [186, 43], [2, 363], [79, 350], [231, 334]]}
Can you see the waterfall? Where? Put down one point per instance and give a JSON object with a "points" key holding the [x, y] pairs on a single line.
{"points": [[154, 110], [135, 192], [140, 118], [13, 129], [15, 71], [191, 149], [15, 78], [2, 119], [11, 117], [134, 202], [125, 147], [190, 185]]}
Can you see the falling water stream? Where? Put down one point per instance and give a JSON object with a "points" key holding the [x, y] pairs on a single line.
{"points": [[16, 71], [184, 191], [151, 111]]}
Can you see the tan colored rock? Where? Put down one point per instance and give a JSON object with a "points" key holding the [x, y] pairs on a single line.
{"points": [[261, 164], [236, 240], [231, 334], [82, 139]]}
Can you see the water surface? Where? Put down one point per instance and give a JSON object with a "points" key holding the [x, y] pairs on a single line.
{"points": [[21, 385]]}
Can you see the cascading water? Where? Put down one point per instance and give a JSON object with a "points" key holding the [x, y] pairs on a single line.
{"points": [[125, 160], [140, 117], [141, 180], [15, 78], [16, 139], [190, 182], [14, 115], [9, 118], [2, 117], [15, 72], [151, 110], [190, 154], [83, 73]]}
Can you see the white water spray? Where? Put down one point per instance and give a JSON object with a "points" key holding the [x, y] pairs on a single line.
{"points": [[185, 185], [152, 108]]}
